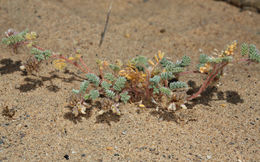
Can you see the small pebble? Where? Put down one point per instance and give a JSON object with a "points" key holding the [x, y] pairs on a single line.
{"points": [[124, 132], [151, 149], [116, 154], [22, 135], [231, 143], [209, 156], [109, 148], [162, 31], [127, 35], [66, 157], [252, 123], [83, 155], [6, 124]]}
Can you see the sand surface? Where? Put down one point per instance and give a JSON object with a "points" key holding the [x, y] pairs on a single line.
{"points": [[222, 125]]}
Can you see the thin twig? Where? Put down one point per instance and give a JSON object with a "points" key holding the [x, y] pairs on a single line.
{"points": [[107, 20]]}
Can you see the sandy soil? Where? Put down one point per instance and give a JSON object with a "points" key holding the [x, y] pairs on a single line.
{"points": [[222, 125]]}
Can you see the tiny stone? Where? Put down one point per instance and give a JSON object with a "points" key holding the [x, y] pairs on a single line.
{"points": [[209, 156], [124, 132], [252, 123], [22, 135], [83, 155], [231, 143], [66, 157], [162, 31], [152, 149], [116, 154]]}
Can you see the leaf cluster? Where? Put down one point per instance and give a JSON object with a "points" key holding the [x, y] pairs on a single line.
{"points": [[251, 51], [112, 87], [177, 67], [15, 38], [41, 55]]}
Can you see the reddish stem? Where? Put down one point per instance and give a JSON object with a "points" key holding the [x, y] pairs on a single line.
{"points": [[147, 92], [101, 73], [209, 80], [85, 66], [67, 60]]}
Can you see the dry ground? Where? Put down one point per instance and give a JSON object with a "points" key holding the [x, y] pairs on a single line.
{"points": [[222, 125]]}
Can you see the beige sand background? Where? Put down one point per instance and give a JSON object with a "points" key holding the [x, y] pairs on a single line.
{"points": [[222, 125]]}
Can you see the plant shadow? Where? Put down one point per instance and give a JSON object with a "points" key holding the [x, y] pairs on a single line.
{"points": [[208, 95], [107, 118], [77, 119], [9, 66], [32, 84], [230, 96], [166, 116]]}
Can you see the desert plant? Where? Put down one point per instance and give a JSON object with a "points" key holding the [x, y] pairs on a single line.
{"points": [[154, 81]]}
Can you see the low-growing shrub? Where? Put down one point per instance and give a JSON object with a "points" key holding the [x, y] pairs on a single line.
{"points": [[148, 81]]}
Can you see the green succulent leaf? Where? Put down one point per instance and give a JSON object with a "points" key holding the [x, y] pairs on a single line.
{"points": [[185, 61], [41, 55], [87, 97], [109, 93], [174, 69], [114, 67], [75, 91], [167, 75], [178, 84], [166, 91], [164, 62], [156, 79], [254, 53], [106, 85], [94, 94], [203, 58], [140, 62], [119, 84], [84, 86], [14, 39], [93, 79], [124, 97], [244, 49], [155, 89], [110, 77]]}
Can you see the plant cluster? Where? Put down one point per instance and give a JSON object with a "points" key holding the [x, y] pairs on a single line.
{"points": [[150, 82]]}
